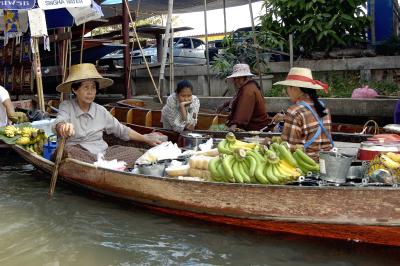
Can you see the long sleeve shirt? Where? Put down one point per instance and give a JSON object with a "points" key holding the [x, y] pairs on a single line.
{"points": [[171, 116], [300, 126], [397, 113], [89, 127], [248, 110]]}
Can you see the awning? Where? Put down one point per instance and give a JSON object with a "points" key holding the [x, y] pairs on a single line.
{"points": [[150, 8]]}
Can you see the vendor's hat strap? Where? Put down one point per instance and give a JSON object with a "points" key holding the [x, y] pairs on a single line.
{"points": [[306, 79]]}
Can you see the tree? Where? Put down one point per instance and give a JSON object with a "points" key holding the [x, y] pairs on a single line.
{"points": [[317, 25]]}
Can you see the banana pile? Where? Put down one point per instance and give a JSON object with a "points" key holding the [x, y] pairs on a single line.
{"points": [[241, 162], [18, 117], [32, 139], [389, 161]]}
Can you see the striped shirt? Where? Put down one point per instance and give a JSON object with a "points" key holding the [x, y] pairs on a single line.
{"points": [[300, 126], [171, 116]]}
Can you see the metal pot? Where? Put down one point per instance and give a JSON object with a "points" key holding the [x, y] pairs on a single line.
{"points": [[156, 169], [369, 149], [192, 140]]}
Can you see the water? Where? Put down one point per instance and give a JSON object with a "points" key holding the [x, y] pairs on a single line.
{"points": [[76, 229]]}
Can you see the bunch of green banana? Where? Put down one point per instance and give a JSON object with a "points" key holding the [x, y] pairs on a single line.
{"points": [[230, 143], [249, 166], [18, 117], [305, 162]]}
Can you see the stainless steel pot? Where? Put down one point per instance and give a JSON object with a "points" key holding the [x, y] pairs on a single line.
{"points": [[192, 140], [156, 169]]}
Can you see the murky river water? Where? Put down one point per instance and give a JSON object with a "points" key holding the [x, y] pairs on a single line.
{"points": [[75, 229]]}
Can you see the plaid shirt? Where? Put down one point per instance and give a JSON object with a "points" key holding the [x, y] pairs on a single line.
{"points": [[171, 116], [300, 126]]}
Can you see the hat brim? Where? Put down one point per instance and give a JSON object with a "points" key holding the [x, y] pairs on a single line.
{"points": [[300, 84], [236, 75], [66, 86]]}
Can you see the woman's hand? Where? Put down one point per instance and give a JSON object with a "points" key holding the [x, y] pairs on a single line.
{"points": [[190, 126], [184, 104], [279, 117], [152, 142], [65, 129]]}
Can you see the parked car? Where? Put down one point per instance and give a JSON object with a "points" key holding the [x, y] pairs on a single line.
{"points": [[187, 50], [214, 48]]}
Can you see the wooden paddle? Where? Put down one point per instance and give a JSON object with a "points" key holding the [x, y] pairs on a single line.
{"points": [[60, 152]]}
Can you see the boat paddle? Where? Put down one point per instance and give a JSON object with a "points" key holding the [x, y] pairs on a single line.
{"points": [[60, 152]]}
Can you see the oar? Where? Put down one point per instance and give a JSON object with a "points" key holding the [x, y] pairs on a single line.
{"points": [[60, 152]]}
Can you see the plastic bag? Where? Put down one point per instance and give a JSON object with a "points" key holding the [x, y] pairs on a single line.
{"points": [[166, 150], [364, 92], [113, 164]]}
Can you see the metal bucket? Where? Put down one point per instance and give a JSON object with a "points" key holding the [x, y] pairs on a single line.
{"points": [[334, 166]]}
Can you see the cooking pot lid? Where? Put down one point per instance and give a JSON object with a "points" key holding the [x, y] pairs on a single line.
{"points": [[385, 138]]}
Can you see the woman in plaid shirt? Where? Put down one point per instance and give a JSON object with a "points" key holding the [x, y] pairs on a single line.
{"points": [[307, 122]]}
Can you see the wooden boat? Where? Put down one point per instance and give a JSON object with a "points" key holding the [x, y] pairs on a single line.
{"points": [[361, 214]]}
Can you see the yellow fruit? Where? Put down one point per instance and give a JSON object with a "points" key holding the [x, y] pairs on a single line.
{"points": [[22, 141], [389, 163], [394, 156]]}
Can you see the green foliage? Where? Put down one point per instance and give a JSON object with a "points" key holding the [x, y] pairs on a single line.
{"points": [[240, 48], [340, 87], [317, 25]]}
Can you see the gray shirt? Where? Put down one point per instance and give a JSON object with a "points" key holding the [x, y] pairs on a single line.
{"points": [[89, 126]]}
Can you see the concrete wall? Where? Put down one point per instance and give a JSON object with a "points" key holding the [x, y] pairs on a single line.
{"points": [[367, 68]]}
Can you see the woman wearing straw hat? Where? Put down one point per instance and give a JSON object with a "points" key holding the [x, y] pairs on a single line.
{"points": [[307, 122], [83, 122], [247, 108]]}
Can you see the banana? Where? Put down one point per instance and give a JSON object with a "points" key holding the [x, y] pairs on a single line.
{"points": [[394, 156], [259, 158], [236, 173], [212, 167], [221, 172], [223, 147], [288, 169], [270, 175], [227, 163], [304, 157], [22, 141], [281, 176], [389, 163], [253, 165], [285, 154], [245, 145], [305, 167], [259, 175], [243, 172]]}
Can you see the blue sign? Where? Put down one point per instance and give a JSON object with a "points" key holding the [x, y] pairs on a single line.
{"points": [[17, 4]]}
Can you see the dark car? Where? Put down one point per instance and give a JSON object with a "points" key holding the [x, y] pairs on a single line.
{"points": [[215, 48]]}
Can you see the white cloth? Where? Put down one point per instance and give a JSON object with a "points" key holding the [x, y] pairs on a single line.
{"points": [[3, 112]]}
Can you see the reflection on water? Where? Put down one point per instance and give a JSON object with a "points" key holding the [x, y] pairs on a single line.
{"points": [[74, 229]]}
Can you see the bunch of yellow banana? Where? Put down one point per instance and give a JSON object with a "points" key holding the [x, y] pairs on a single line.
{"points": [[386, 161], [389, 162], [230, 143], [11, 131]]}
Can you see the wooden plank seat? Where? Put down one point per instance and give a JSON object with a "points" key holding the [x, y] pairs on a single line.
{"points": [[141, 117], [120, 113]]}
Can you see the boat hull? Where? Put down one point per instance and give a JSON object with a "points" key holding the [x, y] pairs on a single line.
{"points": [[369, 214]]}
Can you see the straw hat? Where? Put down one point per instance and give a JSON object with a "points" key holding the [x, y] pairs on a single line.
{"points": [[240, 70], [83, 72], [302, 77]]}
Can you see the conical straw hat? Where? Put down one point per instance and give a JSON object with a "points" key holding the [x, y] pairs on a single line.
{"points": [[302, 77], [83, 72]]}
